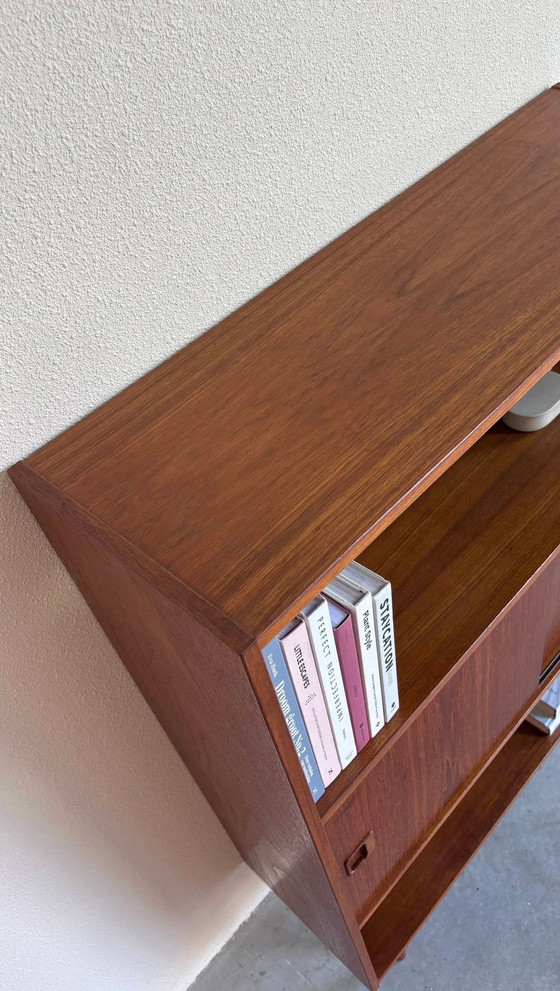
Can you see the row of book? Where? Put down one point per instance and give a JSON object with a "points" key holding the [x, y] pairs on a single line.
{"points": [[334, 672], [546, 714]]}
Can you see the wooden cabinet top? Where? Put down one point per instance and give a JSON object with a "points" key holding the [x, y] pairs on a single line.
{"points": [[258, 460]]}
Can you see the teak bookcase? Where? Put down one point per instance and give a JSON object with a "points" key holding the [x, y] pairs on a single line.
{"points": [[351, 409]]}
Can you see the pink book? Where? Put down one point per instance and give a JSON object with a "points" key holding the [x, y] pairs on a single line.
{"points": [[296, 645], [351, 675]]}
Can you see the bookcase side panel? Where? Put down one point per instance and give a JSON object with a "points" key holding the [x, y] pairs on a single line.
{"points": [[199, 691]]}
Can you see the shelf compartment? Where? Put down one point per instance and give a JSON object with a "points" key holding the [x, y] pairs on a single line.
{"points": [[431, 766], [457, 559], [410, 902]]}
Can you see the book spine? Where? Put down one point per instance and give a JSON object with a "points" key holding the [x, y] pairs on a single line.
{"points": [[321, 635], [385, 636], [352, 678], [367, 645], [291, 711], [301, 665]]}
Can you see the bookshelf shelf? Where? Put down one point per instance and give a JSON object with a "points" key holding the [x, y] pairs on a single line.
{"points": [[423, 885], [486, 526], [350, 409]]}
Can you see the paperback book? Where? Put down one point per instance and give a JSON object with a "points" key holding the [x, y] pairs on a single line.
{"points": [[334, 671], [296, 646], [382, 599], [550, 702], [291, 711], [317, 618], [359, 604], [546, 714]]}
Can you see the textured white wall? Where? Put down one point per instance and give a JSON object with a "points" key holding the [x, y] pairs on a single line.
{"points": [[115, 875], [161, 162]]}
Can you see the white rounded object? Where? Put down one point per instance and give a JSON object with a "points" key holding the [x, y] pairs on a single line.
{"points": [[538, 407]]}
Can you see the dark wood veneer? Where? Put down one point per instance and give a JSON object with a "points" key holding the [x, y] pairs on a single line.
{"points": [[485, 527], [422, 887], [200, 508], [257, 460], [454, 735]]}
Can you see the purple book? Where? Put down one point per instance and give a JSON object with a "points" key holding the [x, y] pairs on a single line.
{"points": [[351, 675], [296, 646]]}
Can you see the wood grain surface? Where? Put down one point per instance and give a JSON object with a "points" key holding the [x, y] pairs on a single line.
{"points": [[418, 779], [419, 891], [258, 460], [200, 508], [458, 557]]}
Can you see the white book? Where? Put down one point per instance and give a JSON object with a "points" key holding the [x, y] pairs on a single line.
{"points": [[296, 647], [359, 603], [382, 598], [546, 724], [319, 626], [550, 702]]}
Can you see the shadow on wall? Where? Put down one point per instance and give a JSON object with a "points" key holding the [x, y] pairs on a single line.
{"points": [[111, 850]]}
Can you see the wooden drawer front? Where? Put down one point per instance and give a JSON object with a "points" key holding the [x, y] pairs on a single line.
{"points": [[419, 776], [550, 610]]}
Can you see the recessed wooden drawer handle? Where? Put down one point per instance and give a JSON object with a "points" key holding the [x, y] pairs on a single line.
{"points": [[356, 858]]}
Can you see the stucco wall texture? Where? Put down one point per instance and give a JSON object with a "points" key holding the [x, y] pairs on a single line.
{"points": [[160, 163]]}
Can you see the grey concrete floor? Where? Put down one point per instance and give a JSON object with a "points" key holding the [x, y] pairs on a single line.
{"points": [[498, 928]]}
